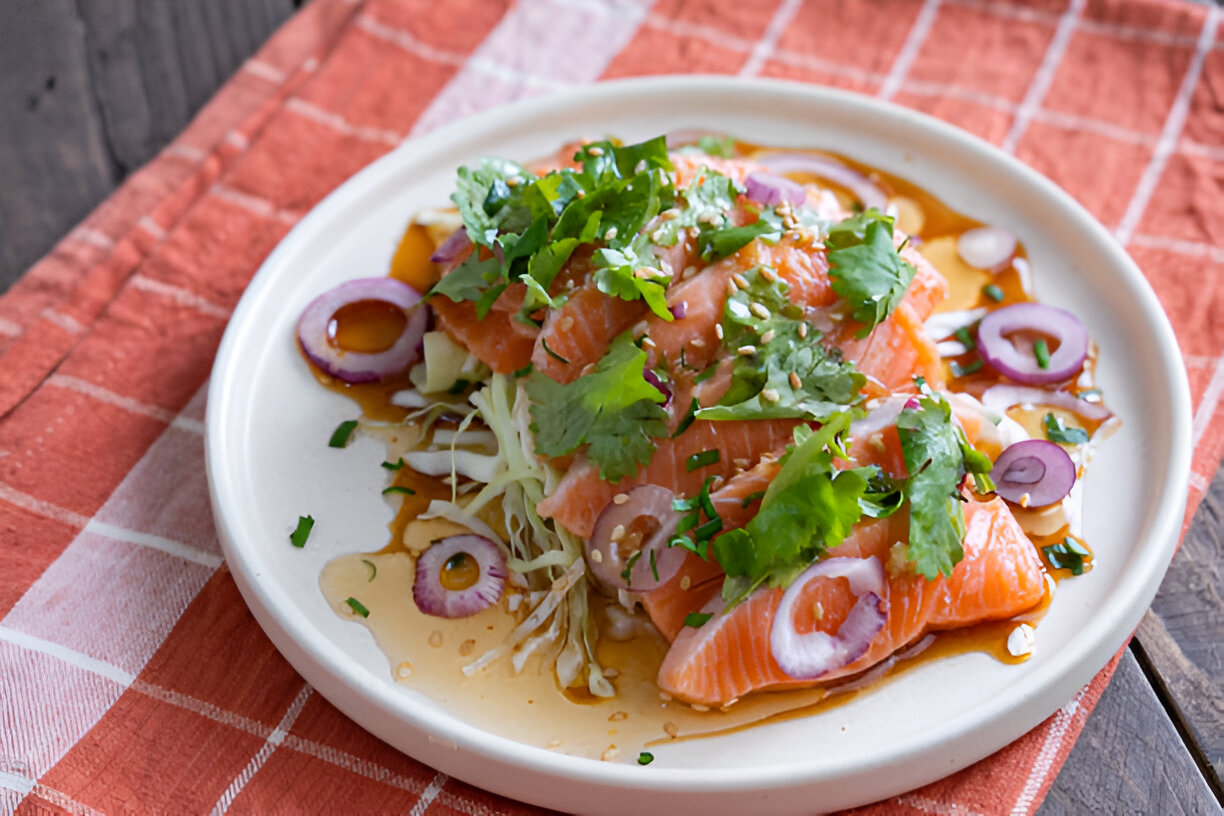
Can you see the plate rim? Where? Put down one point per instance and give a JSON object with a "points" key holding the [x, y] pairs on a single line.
{"points": [[321, 663]]}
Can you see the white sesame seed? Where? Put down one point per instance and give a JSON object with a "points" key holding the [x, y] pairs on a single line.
{"points": [[640, 167], [698, 342], [768, 274], [597, 556], [740, 280], [769, 395], [802, 330], [1025, 500], [731, 290], [740, 462], [767, 336], [685, 582], [746, 351], [700, 707], [620, 498], [718, 329], [595, 151], [759, 310], [618, 532], [795, 382], [610, 233], [648, 343]]}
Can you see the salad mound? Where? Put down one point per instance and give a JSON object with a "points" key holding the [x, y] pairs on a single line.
{"points": [[786, 409]]}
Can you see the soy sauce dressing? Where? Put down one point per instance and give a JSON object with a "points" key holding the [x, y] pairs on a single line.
{"points": [[428, 653]]}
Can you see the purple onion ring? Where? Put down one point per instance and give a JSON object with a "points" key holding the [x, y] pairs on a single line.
{"points": [[1035, 468], [434, 599], [615, 547], [863, 188], [771, 190], [661, 386], [357, 366], [1003, 356], [452, 247], [810, 655]]}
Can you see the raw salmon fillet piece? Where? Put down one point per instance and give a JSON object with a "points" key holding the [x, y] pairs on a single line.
{"points": [[730, 656]]}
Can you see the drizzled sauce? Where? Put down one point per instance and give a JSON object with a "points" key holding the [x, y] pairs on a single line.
{"points": [[428, 654]]}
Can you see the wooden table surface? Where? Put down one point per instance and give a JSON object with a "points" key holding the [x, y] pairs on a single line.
{"points": [[89, 91]]}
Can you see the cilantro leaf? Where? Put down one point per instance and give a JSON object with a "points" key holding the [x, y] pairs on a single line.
{"points": [[790, 375], [481, 194], [809, 508], [1057, 431], [719, 242], [614, 410], [1068, 554], [866, 269], [631, 273], [697, 619], [935, 461]]}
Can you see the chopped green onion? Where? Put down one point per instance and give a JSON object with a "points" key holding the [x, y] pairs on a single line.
{"points": [[373, 569], [552, 353], [298, 537], [394, 465], [358, 607], [1068, 555], [752, 497], [645, 758], [1042, 352], [629, 564], [1056, 431], [688, 418], [993, 292], [340, 436], [696, 619], [654, 566], [959, 370], [525, 370], [459, 386], [407, 491], [963, 335], [700, 460]]}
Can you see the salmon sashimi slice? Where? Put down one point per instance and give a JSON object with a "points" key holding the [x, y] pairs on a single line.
{"points": [[581, 495], [579, 333], [731, 654], [500, 341]]}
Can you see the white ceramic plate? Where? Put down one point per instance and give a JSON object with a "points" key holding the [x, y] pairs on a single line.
{"points": [[266, 464]]}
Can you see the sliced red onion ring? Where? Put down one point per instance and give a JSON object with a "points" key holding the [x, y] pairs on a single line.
{"points": [[997, 399], [986, 247], [810, 655], [679, 310], [654, 380], [435, 599], [1036, 468], [863, 188], [771, 190], [356, 366], [452, 247], [641, 523], [1003, 356]]}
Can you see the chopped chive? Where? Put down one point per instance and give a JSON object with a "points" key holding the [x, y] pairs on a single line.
{"points": [[707, 504], [959, 370], [358, 607], [645, 758], [696, 619], [752, 497], [629, 565], [993, 292], [525, 370], [1068, 555], [965, 337], [707, 530], [302, 532], [373, 569], [688, 418], [700, 460], [1042, 352], [394, 465], [1056, 431], [340, 436], [459, 386], [683, 362], [552, 353], [654, 566], [407, 491]]}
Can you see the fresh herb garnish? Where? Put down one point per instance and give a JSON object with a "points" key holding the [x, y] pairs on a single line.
{"points": [[633, 559], [809, 508], [1068, 555], [700, 460], [552, 353], [407, 491], [1057, 431], [959, 370], [613, 410], [340, 436], [358, 607], [866, 269], [965, 337], [373, 569], [645, 758], [993, 292], [302, 532], [702, 532], [397, 465], [687, 420], [789, 375], [1041, 351], [697, 619], [752, 497], [459, 386]]}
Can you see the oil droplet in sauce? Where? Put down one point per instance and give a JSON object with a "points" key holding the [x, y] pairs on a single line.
{"points": [[366, 326], [459, 572]]}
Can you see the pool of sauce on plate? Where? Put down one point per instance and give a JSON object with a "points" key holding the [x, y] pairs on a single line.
{"points": [[427, 653]]}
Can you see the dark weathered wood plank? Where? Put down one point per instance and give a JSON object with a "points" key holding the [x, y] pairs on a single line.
{"points": [[90, 91], [54, 162], [1182, 636], [1129, 758]]}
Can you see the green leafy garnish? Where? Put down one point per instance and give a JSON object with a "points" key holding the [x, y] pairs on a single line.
{"points": [[693, 509], [302, 532], [340, 436], [789, 375], [866, 269], [697, 619], [809, 508], [718, 243], [373, 569], [1068, 555], [613, 410], [700, 460], [407, 491], [1057, 431], [358, 607], [645, 758], [687, 419], [959, 370], [397, 465]]}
